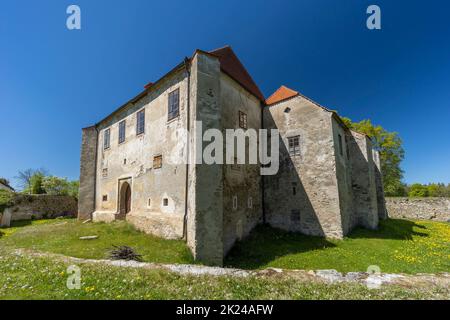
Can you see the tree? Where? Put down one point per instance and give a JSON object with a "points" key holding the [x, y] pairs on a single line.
{"points": [[4, 181], [418, 190], [60, 186], [389, 145], [24, 177], [36, 184]]}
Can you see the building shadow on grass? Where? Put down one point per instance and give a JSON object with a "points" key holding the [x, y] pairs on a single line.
{"points": [[395, 229], [265, 244]]}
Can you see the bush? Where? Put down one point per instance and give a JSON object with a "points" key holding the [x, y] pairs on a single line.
{"points": [[6, 199]]}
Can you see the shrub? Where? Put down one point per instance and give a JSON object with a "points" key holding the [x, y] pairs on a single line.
{"points": [[6, 199]]}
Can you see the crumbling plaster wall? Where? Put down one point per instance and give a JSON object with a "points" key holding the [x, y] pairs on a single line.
{"points": [[133, 160]]}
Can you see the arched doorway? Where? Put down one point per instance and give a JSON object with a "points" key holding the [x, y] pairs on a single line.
{"points": [[125, 200]]}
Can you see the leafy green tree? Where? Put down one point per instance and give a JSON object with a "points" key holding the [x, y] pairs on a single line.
{"points": [[36, 184], [60, 186], [418, 190], [56, 185], [24, 178], [73, 188], [391, 152]]}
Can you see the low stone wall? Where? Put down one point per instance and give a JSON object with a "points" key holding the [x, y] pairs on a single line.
{"points": [[28, 207], [419, 208]]}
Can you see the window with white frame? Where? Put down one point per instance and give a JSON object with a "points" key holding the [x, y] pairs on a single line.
{"points": [[140, 122], [174, 104], [107, 139], [294, 145]]}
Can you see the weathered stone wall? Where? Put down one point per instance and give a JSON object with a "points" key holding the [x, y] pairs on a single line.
{"points": [[242, 181], [363, 180], [205, 233], [381, 202], [344, 176], [30, 207], [304, 195], [86, 194], [419, 208]]}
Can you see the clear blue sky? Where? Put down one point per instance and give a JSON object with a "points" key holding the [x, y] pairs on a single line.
{"points": [[54, 81]]}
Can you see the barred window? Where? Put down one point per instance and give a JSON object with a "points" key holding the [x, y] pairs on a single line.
{"points": [[157, 162], [242, 120], [140, 122], [294, 145], [106, 139], [295, 215], [174, 104], [122, 126]]}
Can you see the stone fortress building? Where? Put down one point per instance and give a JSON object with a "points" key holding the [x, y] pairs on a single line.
{"points": [[328, 181]]}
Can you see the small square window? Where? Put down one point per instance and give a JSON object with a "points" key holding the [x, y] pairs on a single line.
{"points": [[174, 104], [242, 120], [122, 126], [140, 122], [105, 198], [165, 202], [107, 139], [157, 162], [294, 145]]}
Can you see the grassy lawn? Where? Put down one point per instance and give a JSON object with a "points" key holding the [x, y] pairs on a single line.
{"points": [[399, 246], [62, 236], [22, 277]]}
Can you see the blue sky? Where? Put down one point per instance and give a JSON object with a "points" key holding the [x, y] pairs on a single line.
{"points": [[54, 81]]}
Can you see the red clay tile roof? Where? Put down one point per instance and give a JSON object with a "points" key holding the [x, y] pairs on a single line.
{"points": [[281, 94], [231, 65]]}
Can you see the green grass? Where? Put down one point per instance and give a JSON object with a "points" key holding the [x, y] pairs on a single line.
{"points": [[62, 236], [22, 277], [399, 246]]}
